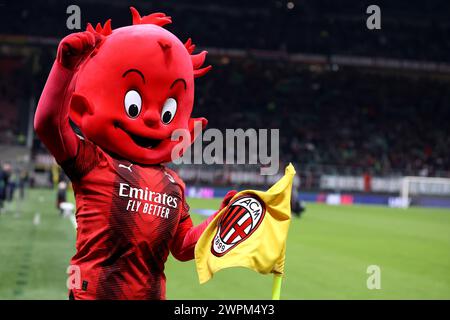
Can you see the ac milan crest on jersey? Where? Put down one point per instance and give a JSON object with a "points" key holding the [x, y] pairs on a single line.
{"points": [[238, 222]]}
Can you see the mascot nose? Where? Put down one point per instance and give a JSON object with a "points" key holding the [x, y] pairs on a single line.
{"points": [[151, 117]]}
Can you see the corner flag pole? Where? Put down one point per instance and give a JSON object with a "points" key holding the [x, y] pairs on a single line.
{"points": [[276, 288]]}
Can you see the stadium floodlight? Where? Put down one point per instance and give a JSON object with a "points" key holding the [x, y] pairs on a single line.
{"points": [[423, 186]]}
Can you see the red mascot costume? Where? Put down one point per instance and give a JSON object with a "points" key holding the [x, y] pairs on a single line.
{"points": [[127, 90]]}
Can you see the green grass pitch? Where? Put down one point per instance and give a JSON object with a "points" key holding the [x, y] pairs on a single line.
{"points": [[328, 252]]}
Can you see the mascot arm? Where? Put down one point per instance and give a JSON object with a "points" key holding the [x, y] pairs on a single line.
{"points": [[183, 245], [51, 121]]}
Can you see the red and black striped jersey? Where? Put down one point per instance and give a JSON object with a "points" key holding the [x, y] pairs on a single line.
{"points": [[129, 218]]}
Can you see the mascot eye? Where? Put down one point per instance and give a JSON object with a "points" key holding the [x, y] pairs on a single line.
{"points": [[169, 110], [133, 103]]}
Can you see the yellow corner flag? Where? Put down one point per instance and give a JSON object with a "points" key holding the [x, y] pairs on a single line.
{"points": [[249, 232]]}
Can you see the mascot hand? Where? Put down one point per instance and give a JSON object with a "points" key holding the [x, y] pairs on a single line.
{"points": [[74, 48], [230, 194]]}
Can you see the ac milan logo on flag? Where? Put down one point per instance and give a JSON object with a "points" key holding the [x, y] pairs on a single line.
{"points": [[237, 223]]}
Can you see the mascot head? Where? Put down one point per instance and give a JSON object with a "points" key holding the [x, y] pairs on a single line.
{"points": [[136, 88]]}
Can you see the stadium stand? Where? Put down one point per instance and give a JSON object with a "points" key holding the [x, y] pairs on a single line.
{"points": [[361, 119]]}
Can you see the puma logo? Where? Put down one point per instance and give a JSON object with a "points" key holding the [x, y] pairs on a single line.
{"points": [[125, 167], [171, 179]]}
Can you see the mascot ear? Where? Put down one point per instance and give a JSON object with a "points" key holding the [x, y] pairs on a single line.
{"points": [[79, 106], [196, 126]]}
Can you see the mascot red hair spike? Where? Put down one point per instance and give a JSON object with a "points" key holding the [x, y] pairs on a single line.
{"points": [[126, 90]]}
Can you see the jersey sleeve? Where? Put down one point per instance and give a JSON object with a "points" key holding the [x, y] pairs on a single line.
{"points": [[186, 236], [179, 250]]}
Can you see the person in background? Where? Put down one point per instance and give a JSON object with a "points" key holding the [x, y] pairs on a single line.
{"points": [[13, 183], [297, 206], [2, 188], [23, 180], [6, 169], [61, 195]]}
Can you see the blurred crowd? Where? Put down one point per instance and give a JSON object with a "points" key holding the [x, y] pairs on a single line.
{"points": [[12, 99], [331, 118], [371, 122]]}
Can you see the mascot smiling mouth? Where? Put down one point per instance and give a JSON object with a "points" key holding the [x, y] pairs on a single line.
{"points": [[144, 142], [141, 141]]}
